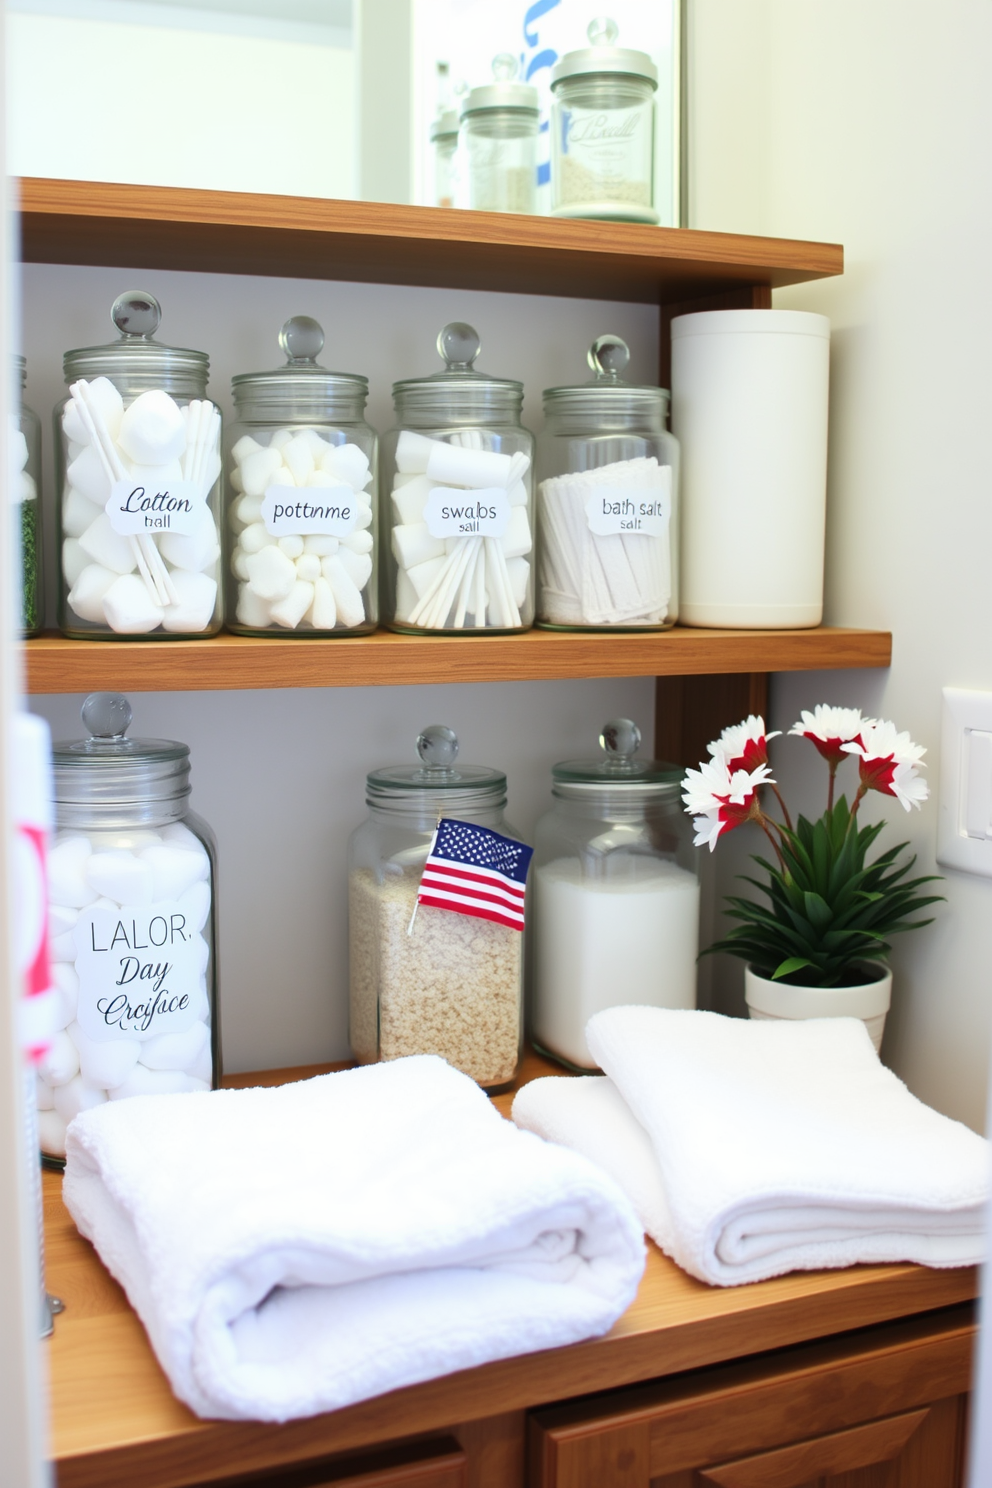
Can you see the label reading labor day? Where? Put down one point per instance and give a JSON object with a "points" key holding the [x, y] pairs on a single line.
{"points": [[140, 971], [628, 509], [137, 506], [317, 511], [452, 513]]}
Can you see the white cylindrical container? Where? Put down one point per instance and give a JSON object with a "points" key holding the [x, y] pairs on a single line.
{"points": [[749, 408]]}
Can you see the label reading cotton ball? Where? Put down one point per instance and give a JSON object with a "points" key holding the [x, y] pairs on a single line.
{"points": [[152, 430]]}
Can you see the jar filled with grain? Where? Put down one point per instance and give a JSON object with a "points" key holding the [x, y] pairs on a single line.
{"points": [[436, 963]]}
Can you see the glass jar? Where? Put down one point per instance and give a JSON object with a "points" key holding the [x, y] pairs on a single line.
{"points": [[616, 894], [444, 139], [602, 131], [427, 980], [608, 503], [25, 495], [137, 456], [458, 470], [499, 143], [131, 925], [301, 564]]}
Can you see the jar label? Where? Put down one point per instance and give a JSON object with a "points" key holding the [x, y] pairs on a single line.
{"points": [[140, 971], [135, 507], [318, 511], [623, 509], [453, 513]]}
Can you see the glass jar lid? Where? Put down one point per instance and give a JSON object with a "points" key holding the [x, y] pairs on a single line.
{"points": [[302, 388], [21, 371], [604, 56], [459, 392], [607, 392], [445, 126], [136, 361], [503, 92], [436, 780], [619, 771], [109, 769]]}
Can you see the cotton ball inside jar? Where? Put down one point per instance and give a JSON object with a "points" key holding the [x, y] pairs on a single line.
{"points": [[78, 1095], [349, 463], [107, 547], [255, 538], [67, 881], [156, 478], [152, 430], [239, 565], [251, 611], [308, 567], [323, 612], [290, 611], [291, 546], [358, 542], [61, 1062], [86, 596], [271, 574], [143, 1081], [174, 868], [195, 905], [197, 599], [257, 470], [245, 446], [74, 560], [105, 1063], [350, 605], [249, 510], [129, 608], [358, 566], [193, 551], [43, 1094], [62, 920], [106, 403], [51, 1133], [298, 458], [78, 512], [121, 877], [87, 474], [176, 1051], [323, 547], [65, 980]]}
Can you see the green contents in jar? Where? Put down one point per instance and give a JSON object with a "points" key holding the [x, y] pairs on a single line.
{"points": [[30, 567]]}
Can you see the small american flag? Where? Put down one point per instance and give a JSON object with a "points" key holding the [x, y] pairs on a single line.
{"points": [[475, 871]]}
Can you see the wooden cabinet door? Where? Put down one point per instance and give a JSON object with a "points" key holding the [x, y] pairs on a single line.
{"points": [[426, 1464], [882, 1409]]}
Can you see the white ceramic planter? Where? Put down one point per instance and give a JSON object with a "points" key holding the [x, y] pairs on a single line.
{"points": [[869, 1002]]}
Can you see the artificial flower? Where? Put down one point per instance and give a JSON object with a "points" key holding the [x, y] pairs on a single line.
{"points": [[887, 761], [829, 729], [720, 799], [744, 746]]}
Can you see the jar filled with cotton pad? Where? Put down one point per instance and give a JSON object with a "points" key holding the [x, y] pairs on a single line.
{"points": [[608, 503], [426, 979], [301, 513], [458, 473], [616, 894], [137, 449], [602, 130], [25, 499], [131, 925], [498, 143]]}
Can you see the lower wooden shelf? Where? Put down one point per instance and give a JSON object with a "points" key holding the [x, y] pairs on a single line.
{"points": [[55, 664]]}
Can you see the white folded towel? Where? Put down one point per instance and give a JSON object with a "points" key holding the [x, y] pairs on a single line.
{"points": [[294, 1250], [754, 1148]]}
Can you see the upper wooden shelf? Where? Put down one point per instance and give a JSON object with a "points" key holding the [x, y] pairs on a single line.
{"points": [[156, 227], [55, 664]]}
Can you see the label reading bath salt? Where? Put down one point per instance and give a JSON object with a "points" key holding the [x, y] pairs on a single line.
{"points": [[139, 971], [135, 507], [619, 509], [452, 513], [318, 511]]}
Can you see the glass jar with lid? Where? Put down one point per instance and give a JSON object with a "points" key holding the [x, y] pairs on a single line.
{"points": [[498, 143], [608, 503], [616, 894], [137, 452], [426, 979], [25, 494], [444, 139], [458, 473], [131, 925], [602, 130], [301, 519]]}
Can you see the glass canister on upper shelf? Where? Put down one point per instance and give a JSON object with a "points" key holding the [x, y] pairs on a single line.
{"points": [[437, 881], [608, 502], [444, 139], [498, 143], [137, 449], [616, 894], [301, 521], [25, 498], [602, 130], [458, 470]]}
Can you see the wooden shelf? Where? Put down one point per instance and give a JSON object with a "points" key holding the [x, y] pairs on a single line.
{"points": [[55, 664], [156, 227]]}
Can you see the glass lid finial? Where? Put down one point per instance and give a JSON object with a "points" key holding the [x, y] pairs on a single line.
{"points": [[608, 357], [107, 715], [136, 314], [459, 345], [302, 339]]}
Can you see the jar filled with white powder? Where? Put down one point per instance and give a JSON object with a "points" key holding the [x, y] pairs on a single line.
{"points": [[301, 497], [608, 502], [616, 894], [426, 979], [131, 927]]}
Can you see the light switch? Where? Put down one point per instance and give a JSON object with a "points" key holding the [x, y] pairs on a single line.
{"points": [[964, 831]]}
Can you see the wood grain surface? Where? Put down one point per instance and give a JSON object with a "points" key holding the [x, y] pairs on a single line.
{"points": [[96, 222]]}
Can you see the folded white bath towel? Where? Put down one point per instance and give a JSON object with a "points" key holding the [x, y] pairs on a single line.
{"points": [[754, 1148], [294, 1250]]}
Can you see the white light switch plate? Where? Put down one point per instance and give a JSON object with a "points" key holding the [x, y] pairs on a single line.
{"points": [[964, 829]]}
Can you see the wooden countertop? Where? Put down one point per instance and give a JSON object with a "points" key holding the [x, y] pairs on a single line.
{"points": [[115, 1422]]}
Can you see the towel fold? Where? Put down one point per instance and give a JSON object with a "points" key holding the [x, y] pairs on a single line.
{"points": [[294, 1250], [750, 1149]]}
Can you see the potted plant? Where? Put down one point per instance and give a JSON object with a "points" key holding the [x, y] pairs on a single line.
{"points": [[816, 943]]}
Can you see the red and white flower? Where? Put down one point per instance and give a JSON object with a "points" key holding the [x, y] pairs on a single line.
{"points": [[720, 798], [743, 746], [829, 729], [887, 761]]}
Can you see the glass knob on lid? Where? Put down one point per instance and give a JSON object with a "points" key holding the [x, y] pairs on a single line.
{"points": [[504, 67], [107, 715], [437, 746], [136, 315], [608, 357], [621, 739], [603, 31], [458, 345], [302, 339]]}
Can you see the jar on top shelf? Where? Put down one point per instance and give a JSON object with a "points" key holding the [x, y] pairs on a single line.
{"points": [[498, 143], [608, 503], [137, 452], [25, 494], [301, 512], [458, 471]]}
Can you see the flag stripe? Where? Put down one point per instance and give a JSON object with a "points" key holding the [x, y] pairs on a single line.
{"points": [[491, 875], [484, 886], [484, 901], [467, 891], [496, 915]]}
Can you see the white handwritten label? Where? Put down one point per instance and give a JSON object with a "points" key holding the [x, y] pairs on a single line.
{"points": [[139, 972], [135, 507], [318, 511], [451, 513], [618, 509]]}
